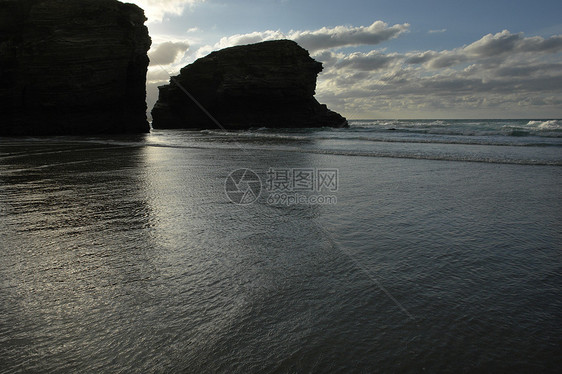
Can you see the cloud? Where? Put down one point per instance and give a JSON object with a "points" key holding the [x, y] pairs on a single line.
{"points": [[499, 73], [157, 76], [250, 38], [506, 42], [493, 48], [345, 36], [445, 60], [372, 61], [324, 38], [528, 70], [204, 51], [494, 45], [539, 44], [420, 57], [156, 10], [167, 53], [436, 31]]}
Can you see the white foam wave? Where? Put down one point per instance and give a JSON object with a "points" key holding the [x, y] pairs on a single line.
{"points": [[553, 124]]}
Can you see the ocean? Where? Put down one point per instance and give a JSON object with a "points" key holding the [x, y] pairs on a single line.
{"points": [[389, 246]]}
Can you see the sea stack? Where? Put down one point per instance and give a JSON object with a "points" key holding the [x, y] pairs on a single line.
{"points": [[72, 67], [269, 84]]}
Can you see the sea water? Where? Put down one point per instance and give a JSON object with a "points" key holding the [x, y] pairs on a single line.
{"points": [[429, 246]]}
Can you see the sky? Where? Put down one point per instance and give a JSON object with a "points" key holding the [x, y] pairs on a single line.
{"points": [[386, 59]]}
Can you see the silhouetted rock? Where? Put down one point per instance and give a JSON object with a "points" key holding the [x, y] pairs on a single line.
{"points": [[268, 84], [72, 67]]}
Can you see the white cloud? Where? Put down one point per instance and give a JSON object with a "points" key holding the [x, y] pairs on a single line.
{"points": [[436, 31], [494, 45], [157, 75], [371, 61], [506, 42], [167, 53], [250, 38], [493, 48], [539, 44], [344, 36], [324, 38], [504, 72], [156, 10], [445, 59]]}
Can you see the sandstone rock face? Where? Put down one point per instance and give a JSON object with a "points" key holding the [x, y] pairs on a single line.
{"points": [[268, 84], [72, 67]]}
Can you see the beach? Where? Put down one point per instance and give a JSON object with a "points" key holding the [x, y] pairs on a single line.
{"points": [[389, 246]]}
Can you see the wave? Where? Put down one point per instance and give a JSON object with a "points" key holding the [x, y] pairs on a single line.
{"points": [[374, 135], [419, 154], [416, 156], [459, 141], [509, 128], [403, 155], [553, 124], [353, 153]]}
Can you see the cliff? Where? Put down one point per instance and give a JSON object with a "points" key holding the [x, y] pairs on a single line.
{"points": [[268, 84], [72, 67]]}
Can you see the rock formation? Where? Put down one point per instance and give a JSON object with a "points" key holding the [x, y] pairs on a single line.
{"points": [[268, 84], [72, 67]]}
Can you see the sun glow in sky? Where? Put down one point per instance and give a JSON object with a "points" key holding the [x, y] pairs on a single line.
{"points": [[387, 58]]}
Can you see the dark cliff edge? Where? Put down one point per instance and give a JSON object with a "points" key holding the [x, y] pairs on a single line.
{"points": [[72, 67], [269, 84]]}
